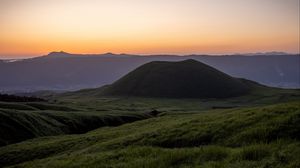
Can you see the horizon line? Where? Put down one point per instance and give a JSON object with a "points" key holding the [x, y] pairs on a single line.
{"points": [[29, 56]]}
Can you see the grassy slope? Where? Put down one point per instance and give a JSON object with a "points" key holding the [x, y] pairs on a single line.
{"points": [[266, 136], [21, 121], [79, 113]]}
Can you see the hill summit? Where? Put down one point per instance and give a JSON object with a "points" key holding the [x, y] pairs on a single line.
{"points": [[184, 79]]}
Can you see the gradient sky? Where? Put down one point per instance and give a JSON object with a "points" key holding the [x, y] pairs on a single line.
{"points": [[36, 27]]}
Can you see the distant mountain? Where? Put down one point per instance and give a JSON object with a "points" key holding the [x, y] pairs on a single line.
{"points": [[64, 71], [272, 53], [59, 54], [184, 79]]}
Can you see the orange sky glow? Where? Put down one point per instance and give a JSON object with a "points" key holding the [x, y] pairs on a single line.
{"points": [[36, 27]]}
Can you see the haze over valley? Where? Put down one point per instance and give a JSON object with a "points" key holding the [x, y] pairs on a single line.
{"points": [[62, 71]]}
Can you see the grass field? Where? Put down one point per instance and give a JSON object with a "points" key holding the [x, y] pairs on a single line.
{"points": [[258, 130], [21, 121], [266, 136]]}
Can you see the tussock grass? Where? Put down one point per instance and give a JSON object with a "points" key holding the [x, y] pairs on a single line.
{"points": [[16, 126], [45, 106], [175, 141], [16, 106]]}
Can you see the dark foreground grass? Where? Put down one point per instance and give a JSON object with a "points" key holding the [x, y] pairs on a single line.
{"points": [[68, 115], [266, 136], [17, 125], [16, 106]]}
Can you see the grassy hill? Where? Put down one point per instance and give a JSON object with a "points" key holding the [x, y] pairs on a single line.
{"points": [[245, 131], [179, 114], [83, 111], [264, 136], [184, 79], [22, 121]]}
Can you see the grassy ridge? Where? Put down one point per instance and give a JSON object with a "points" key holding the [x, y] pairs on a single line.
{"points": [[16, 106], [19, 122], [35, 106], [71, 114], [265, 136]]}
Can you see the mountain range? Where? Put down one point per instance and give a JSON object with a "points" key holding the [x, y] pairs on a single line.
{"points": [[65, 71]]}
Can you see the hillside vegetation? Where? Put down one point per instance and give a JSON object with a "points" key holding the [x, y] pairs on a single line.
{"points": [[265, 136], [19, 122], [79, 112], [163, 114]]}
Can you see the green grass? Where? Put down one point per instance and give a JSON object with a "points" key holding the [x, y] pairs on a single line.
{"points": [[247, 131], [16, 126], [262, 136], [16, 106], [47, 106], [69, 114]]}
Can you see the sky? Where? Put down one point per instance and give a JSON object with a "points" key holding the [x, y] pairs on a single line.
{"points": [[36, 27]]}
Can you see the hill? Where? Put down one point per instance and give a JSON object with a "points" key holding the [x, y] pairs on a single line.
{"points": [[22, 121], [266, 136], [85, 110], [64, 71], [231, 132], [184, 79]]}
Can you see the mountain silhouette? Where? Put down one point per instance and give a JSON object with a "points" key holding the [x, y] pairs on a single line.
{"points": [[69, 72], [183, 79]]}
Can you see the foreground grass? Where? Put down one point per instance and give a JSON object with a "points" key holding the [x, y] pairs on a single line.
{"points": [[82, 111], [18, 124], [266, 136]]}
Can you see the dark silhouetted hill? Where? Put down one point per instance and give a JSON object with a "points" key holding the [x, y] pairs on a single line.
{"points": [[184, 79]]}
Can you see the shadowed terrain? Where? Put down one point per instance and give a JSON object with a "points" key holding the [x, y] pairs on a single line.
{"points": [[163, 114], [184, 79], [242, 137]]}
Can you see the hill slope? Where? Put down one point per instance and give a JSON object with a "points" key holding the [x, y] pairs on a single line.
{"points": [[251, 137], [184, 79], [22, 121], [82, 111]]}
